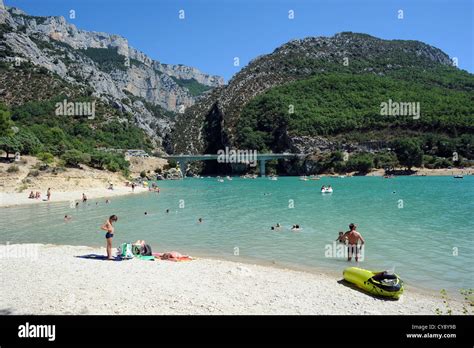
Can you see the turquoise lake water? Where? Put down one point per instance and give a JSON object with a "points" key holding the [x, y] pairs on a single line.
{"points": [[421, 226]]}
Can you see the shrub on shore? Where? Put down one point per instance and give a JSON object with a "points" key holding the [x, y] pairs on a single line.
{"points": [[13, 169], [45, 157], [73, 158], [362, 162]]}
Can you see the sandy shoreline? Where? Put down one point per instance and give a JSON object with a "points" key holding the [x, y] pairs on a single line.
{"points": [[55, 281], [8, 199]]}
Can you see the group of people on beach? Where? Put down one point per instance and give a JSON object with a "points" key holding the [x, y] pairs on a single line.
{"points": [[37, 195], [353, 240]]}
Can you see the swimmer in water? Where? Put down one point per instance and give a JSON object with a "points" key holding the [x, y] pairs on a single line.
{"points": [[167, 211], [67, 218], [200, 220]]}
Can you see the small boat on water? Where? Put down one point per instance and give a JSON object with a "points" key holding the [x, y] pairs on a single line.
{"points": [[458, 176], [314, 177], [229, 178], [273, 177], [304, 178]]}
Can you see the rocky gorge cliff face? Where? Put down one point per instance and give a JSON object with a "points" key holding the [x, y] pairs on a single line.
{"points": [[214, 121], [116, 72]]}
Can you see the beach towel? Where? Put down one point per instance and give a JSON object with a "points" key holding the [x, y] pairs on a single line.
{"points": [[145, 257], [172, 256], [100, 257]]}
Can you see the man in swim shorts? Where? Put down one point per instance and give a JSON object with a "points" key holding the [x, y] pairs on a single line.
{"points": [[353, 237]]}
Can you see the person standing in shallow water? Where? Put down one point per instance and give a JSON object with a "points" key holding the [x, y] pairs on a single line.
{"points": [[353, 237], [48, 194], [109, 228]]}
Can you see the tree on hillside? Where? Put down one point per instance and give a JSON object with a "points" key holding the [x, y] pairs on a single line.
{"points": [[409, 152], [73, 158], [10, 145], [6, 123], [361, 162]]}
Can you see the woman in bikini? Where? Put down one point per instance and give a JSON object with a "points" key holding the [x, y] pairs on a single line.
{"points": [[108, 226]]}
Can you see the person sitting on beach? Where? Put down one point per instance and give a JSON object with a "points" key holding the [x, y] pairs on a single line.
{"points": [[353, 237], [109, 228], [32, 195], [111, 186], [38, 195], [142, 248]]}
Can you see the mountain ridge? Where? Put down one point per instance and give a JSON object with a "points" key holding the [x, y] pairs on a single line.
{"points": [[303, 58], [116, 71]]}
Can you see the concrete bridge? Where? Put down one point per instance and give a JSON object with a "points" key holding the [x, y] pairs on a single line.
{"points": [[250, 158]]}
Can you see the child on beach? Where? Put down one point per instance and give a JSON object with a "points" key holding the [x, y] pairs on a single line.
{"points": [[341, 238], [108, 226]]}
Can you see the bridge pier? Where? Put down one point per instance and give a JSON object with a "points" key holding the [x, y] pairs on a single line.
{"points": [[183, 165], [262, 167]]}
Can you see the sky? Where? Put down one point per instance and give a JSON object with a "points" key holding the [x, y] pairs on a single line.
{"points": [[214, 32]]}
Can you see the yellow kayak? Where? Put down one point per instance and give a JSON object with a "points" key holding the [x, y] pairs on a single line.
{"points": [[376, 283]]}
